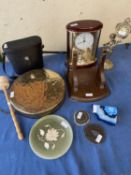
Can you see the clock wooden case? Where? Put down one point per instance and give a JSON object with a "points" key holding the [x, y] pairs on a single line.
{"points": [[86, 80]]}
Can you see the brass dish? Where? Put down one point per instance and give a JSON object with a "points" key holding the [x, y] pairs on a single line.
{"points": [[37, 92]]}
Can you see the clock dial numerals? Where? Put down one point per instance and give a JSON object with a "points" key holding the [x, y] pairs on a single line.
{"points": [[84, 40]]}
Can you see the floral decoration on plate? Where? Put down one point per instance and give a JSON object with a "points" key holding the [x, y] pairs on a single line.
{"points": [[49, 136]]}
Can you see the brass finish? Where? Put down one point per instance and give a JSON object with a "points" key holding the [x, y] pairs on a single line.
{"points": [[108, 65], [38, 92], [122, 30]]}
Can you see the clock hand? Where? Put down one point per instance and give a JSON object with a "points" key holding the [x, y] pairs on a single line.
{"points": [[84, 39], [80, 42]]}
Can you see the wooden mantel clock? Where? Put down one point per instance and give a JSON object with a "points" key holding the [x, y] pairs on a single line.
{"points": [[86, 80]]}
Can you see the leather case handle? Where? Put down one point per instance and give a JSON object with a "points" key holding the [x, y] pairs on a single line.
{"points": [[4, 65]]}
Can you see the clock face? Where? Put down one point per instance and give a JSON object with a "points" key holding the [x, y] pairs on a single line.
{"points": [[84, 40]]}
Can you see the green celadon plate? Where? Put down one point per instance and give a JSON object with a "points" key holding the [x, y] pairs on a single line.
{"points": [[51, 137]]}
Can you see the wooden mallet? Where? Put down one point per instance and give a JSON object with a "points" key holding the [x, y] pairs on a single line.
{"points": [[4, 84]]}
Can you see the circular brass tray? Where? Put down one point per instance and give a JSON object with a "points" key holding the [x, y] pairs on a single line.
{"points": [[37, 92]]}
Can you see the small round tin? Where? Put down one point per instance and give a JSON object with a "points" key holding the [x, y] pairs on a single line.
{"points": [[81, 117]]}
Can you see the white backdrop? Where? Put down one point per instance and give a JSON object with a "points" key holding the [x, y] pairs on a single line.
{"points": [[48, 18]]}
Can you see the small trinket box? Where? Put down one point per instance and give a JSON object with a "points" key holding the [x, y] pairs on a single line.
{"points": [[81, 117], [107, 114]]}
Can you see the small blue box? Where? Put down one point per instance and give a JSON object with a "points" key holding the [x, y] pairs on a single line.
{"points": [[106, 113]]}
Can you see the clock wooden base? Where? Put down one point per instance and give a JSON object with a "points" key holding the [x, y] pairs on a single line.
{"points": [[80, 96], [87, 83]]}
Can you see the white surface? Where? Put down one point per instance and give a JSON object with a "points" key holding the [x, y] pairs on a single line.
{"points": [[79, 115], [95, 107], [84, 40], [89, 94], [64, 124], [48, 18], [98, 138], [12, 94]]}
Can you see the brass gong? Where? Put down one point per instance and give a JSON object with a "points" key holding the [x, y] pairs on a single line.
{"points": [[37, 92]]}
